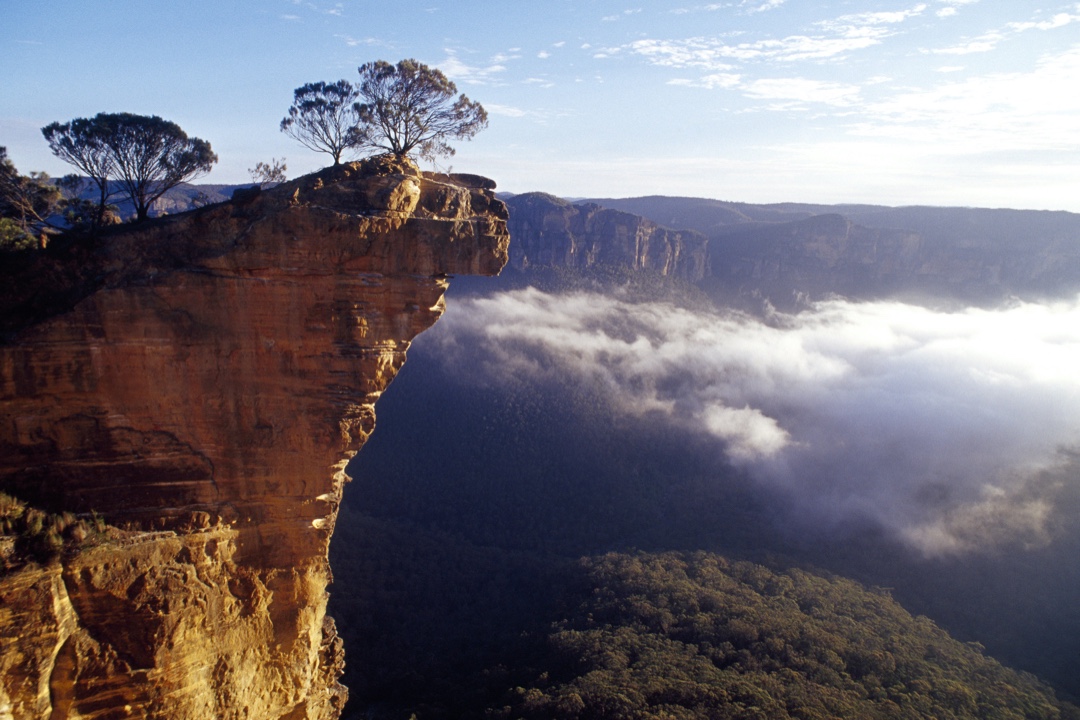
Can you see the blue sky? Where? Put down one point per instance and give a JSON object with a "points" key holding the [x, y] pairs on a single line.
{"points": [[940, 102]]}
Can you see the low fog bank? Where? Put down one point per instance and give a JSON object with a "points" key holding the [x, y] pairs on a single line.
{"points": [[952, 431]]}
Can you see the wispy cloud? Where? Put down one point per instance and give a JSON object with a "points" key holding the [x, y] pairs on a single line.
{"points": [[1059, 20], [505, 110], [998, 111], [838, 37], [756, 6], [510, 111], [952, 7], [874, 18], [460, 71], [990, 40], [353, 42], [716, 54], [709, 82], [619, 16]]}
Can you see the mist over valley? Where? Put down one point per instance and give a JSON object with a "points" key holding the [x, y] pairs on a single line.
{"points": [[612, 392]]}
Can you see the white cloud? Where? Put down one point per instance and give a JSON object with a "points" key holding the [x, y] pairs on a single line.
{"points": [[353, 42], [982, 43], [1004, 111], [504, 110], [713, 53], [943, 427], [756, 6], [459, 71], [543, 54], [1059, 20], [875, 18], [710, 82], [990, 40]]}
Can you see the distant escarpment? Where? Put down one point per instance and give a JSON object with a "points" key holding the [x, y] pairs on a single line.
{"points": [[789, 253], [190, 389], [548, 231]]}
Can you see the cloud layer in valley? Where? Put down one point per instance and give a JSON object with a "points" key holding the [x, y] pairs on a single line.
{"points": [[949, 429]]}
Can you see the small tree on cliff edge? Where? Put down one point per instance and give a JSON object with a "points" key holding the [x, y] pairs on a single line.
{"points": [[410, 106], [80, 142], [148, 156], [323, 118]]}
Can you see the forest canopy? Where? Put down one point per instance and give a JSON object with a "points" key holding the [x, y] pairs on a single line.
{"points": [[695, 636]]}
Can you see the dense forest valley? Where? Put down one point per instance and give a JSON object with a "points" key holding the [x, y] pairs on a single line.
{"points": [[516, 543]]}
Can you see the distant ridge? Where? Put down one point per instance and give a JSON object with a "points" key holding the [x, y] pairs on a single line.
{"points": [[788, 253]]}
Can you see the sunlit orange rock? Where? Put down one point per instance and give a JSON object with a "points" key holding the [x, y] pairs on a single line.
{"points": [[200, 381]]}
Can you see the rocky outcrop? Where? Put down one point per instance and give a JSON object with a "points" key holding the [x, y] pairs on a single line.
{"points": [[548, 231], [200, 382]]}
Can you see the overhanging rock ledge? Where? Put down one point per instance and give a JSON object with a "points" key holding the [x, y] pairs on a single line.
{"points": [[200, 381]]}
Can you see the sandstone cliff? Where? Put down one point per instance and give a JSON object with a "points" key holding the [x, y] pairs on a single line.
{"points": [[974, 255], [200, 382], [554, 232]]}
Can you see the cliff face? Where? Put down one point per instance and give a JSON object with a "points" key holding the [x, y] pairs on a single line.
{"points": [[814, 256], [549, 231], [969, 254], [203, 392]]}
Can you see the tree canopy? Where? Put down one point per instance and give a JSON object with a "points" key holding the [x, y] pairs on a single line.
{"points": [[81, 143], [324, 118], [410, 106], [401, 109], [146, 155]]}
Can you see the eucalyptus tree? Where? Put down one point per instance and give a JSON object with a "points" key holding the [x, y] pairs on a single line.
{"points": [[324, 118], [146, 155], [411, 107], [81, 143]]}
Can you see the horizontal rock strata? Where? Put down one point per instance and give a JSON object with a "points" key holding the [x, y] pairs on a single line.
{"points": [[199, 382]]}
